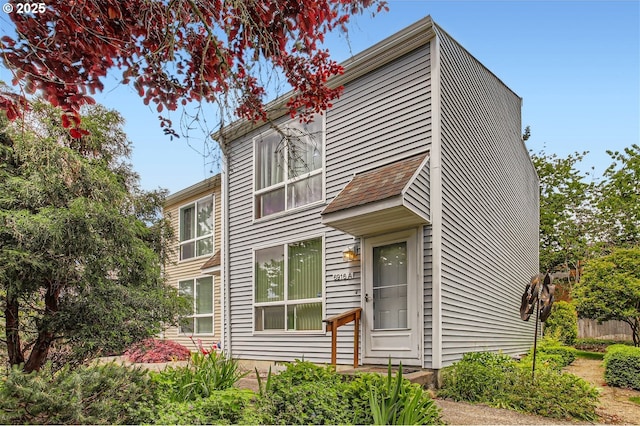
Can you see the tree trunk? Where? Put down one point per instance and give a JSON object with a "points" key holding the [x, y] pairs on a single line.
{"points": [[635, 330], [14, 346], [40, 349], [39, 352]]}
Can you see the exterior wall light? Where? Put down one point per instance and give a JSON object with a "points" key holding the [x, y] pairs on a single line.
{"points": [[352, 253]]}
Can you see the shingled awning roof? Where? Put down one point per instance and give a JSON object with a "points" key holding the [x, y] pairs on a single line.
{"points": [[392, 196], [212, 265]]}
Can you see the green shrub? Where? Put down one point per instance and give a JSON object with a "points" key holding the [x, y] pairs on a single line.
{"points": [[400, 402], [622, 366], [562, 323], [498, 381], [221, 407], [299, 372], [478, 377], [204, 374], [98, 394], [308, 394], [304, 393], [553, 394], [543, 361], [357, 392], [550, 353], [304, 403]]}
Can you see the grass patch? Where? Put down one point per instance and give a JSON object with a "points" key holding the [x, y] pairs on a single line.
{"points": [[589, 355], [598, 345], [635, 399]]}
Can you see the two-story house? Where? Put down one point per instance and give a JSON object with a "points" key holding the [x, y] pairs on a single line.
{"points": [[413, 199], [194, 264]]}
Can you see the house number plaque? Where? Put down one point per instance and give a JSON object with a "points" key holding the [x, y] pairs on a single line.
{"points": [[342, 277]]}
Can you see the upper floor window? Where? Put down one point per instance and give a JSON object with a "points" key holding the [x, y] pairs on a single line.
{"points": [[196, 228], [288, 167]]}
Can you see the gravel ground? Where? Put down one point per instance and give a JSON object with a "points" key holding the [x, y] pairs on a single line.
{"points": [[462, 413], [615, 406]]}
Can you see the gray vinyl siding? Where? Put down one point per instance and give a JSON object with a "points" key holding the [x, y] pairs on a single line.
{"points": [[490, 210], [381, 117], [417, 195], [428, 295]]}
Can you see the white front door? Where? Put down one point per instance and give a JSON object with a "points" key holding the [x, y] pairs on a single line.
{"points": [[391, 298]]}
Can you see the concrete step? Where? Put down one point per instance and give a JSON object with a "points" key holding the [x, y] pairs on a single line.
{"points": [[425, 378]]}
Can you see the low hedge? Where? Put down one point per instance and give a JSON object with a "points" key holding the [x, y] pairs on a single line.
{"points": [[622, 366]]}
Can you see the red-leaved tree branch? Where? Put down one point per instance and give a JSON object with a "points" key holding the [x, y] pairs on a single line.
{"points": [[175, 52]]}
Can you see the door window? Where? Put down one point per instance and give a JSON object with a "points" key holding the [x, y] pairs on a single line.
{"points": [[390, 286]]}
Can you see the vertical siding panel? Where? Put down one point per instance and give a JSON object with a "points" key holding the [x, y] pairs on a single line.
{"points": [[385, 114], [490, 210]]}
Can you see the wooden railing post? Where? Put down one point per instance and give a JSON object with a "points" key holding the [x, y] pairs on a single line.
{"points": [[356, 334], [336, 321]]}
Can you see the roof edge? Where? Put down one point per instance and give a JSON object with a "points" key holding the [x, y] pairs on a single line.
{"points": [[361, 209], [439, 29], [404, 41], [192, 190]]}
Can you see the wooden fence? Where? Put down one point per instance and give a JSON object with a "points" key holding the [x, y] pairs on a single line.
{"points": [[608, 330]]}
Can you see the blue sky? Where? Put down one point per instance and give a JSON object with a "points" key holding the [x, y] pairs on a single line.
{"points": [[576, 64]]}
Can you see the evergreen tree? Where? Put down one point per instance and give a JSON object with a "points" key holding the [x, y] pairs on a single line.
{"points": [[81, 246]]}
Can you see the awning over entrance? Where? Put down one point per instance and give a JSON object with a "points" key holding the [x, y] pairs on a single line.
{"points": [[212, 265], [387, 198]]}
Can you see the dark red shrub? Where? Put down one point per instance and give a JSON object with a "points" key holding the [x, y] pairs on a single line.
{"points": [[155, 350]]}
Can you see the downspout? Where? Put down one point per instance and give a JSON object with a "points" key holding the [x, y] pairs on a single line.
{"points": [[224, 264], [436, 207]]}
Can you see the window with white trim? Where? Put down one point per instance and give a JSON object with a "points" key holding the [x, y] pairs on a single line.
{"points": [[288, 287], [288, 167], [196, 228], [200, 292]]}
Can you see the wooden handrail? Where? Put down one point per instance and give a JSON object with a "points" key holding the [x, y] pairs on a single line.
{"points": [[341, 319]]}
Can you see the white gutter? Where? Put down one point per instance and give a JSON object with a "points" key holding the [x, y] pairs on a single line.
{"points": [[224, 261]]}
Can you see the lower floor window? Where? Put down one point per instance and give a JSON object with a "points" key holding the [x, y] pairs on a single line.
{"points": [[200, 292], [288, 287]]}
